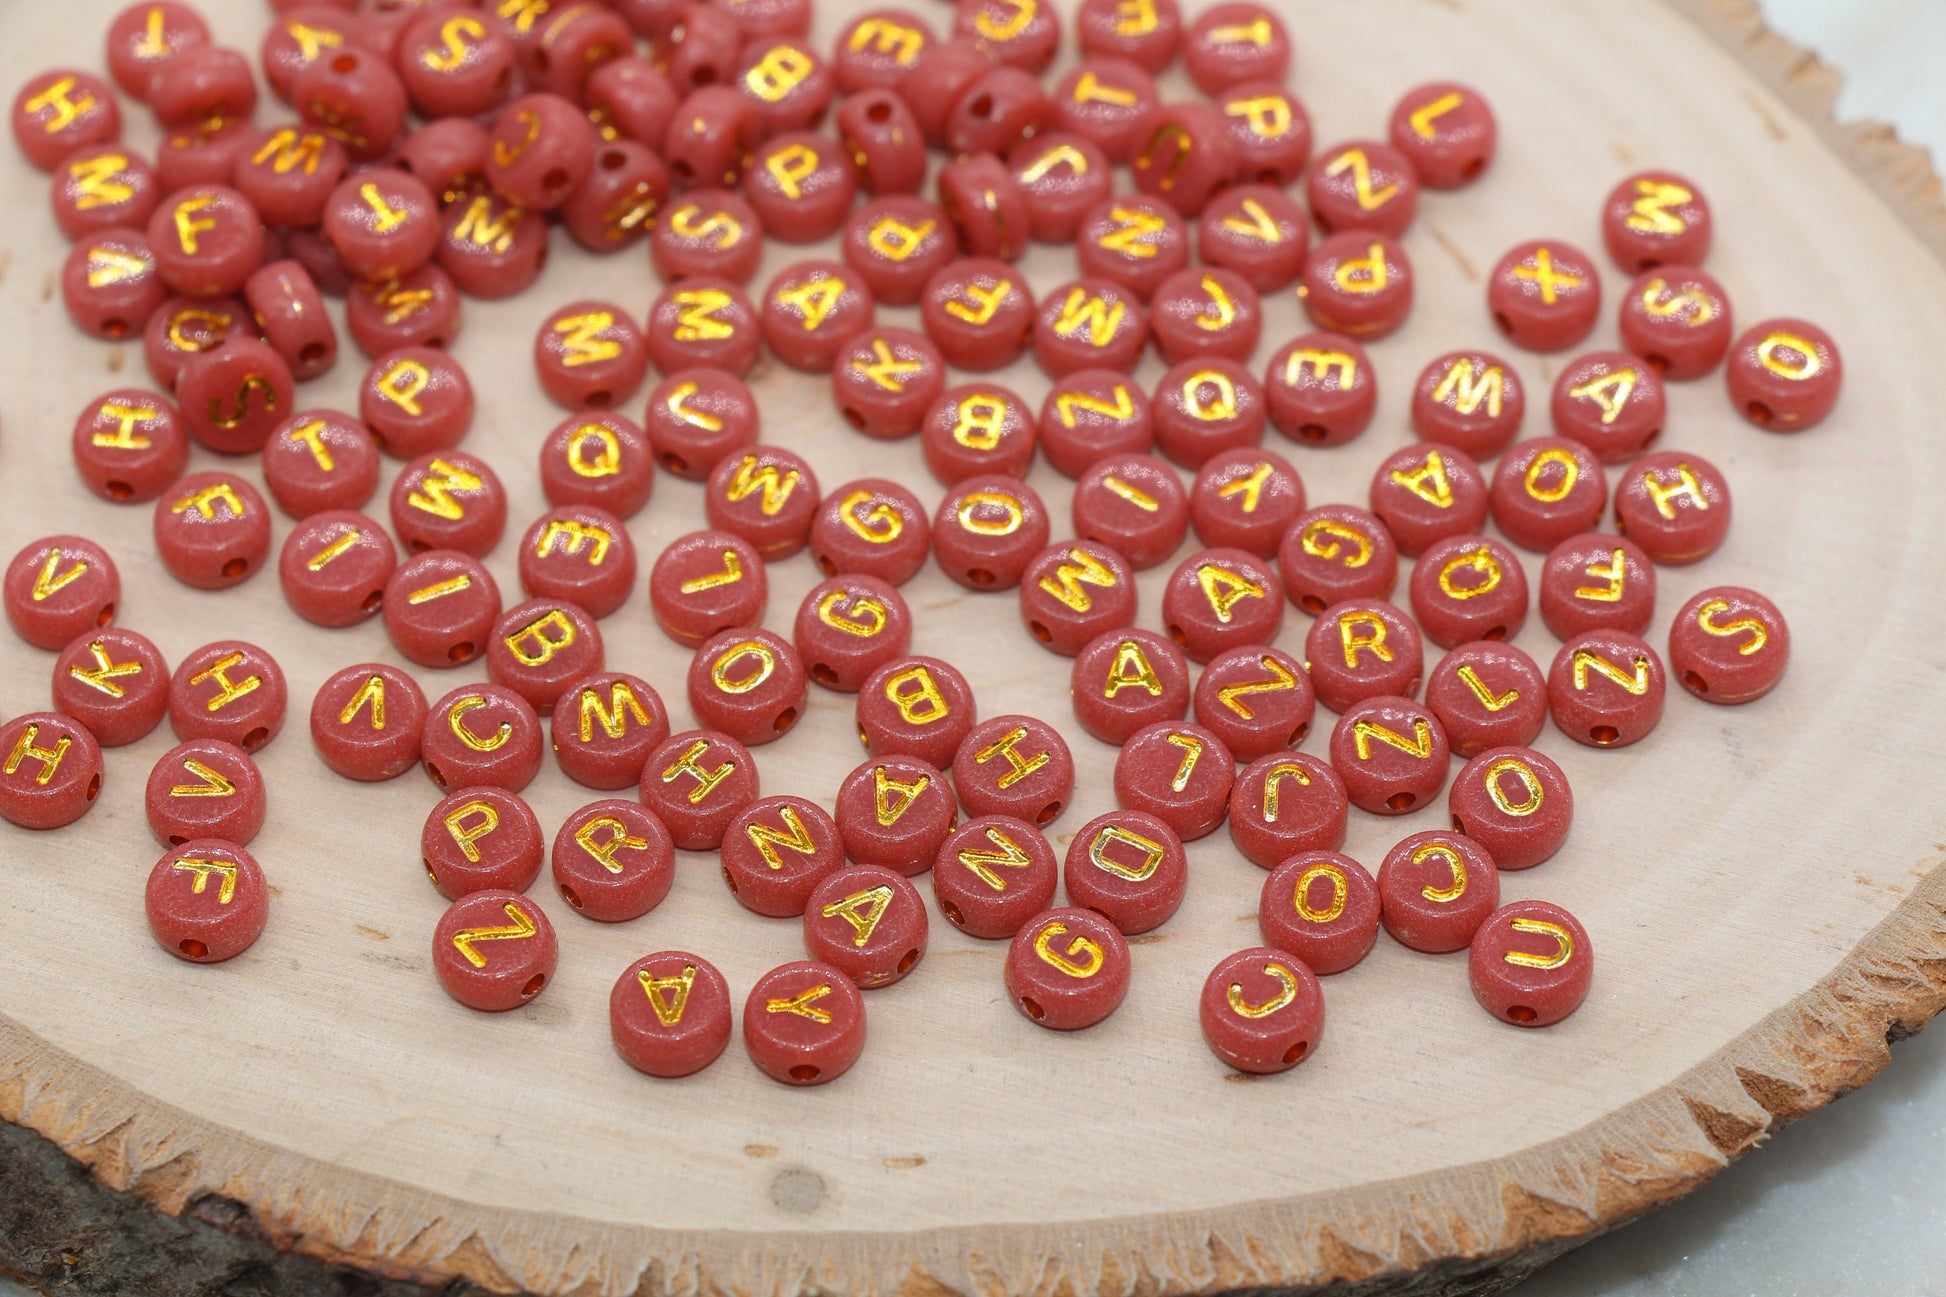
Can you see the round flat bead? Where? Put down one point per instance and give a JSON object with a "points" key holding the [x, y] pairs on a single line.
{"points": [[228, 690], [705, 583], [52, 773], [290, 311], [481, 839], [1356, 283], [696, 782], [979, 313], [59, 111], [1436, 889], [1337, 552], [993, 874], [1023, 34], [1109, 101], [289, 175], [1245, 499], [1678, 319], [1270, 128], [491, 248], [896, 243], [1675, 505], [1596, 582], [600, 460], [801, 184], [1148, 34], [1179, 774], [581, 554], [448, 500], [320, 460], [382, 223], [354, 96], [543, 147], [915, 706], [1654, 218], [1206, 313], [711, 136], [867, 922], [1447, 131], [1605, 688], [233, 396], [630, 98], [1003, 107], [669, 1014], [1207, 407], [1067, 969], [766, 496], [455, 65], [1129, 867], [1515, 803], [874, 527], [977, 430], [1531, 964], [1134, 240], [1487, 695], [1468, 588], [103, 187], [207, 901], [1363, 185], [1124, 681], [700, 48], [1284, 803], [885, 379], [749, 684], [494, 950], [702, 322], [775, 853], [849, 626], [790, 83], [1544, 295], [1090, 325], [416, 400], [145, 36], [1092, 414], [811, 310], [448, 156], [110, 286], [1229, 43], [894, 812], [1360, 649], [1256, 231], [987, 530], [440, 607], [212, 530], [804, 1024], [1784, 375], [1135, 504], [1322, 908], [878, 50], [1726, 645], [1470, 400], [698, 416], [1255, 698], [590, 355], [1185, 156], [542, 647], [1321, 389], [1075, 591], [712, 232], [203, 154], [367, 720], [1220, 599], [1428, 492], [886, 144], [417, 310], [1391, 753], [115, 682], [1546, 490], [1014, 765], [604, 727], [59, 587], [1261, 1012], [1061, 176], [1610, 402], [613, 861], [182, 327], [482, 734], [334, 566], [617, 204]]}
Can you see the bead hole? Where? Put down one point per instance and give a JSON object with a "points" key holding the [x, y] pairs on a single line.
{"points": [[1311, 603], [1297, 735], [1494, 633], [568, 895], [853, 417], [372, 602], [1313, 432], [1503, 323], [1402, 801], [1296, 1053], [682, 172], [256, 738], [674, 463], [981, 577], [1520, 1013], [235, 568], [952, 913], [805, 1073], [1473, 168], [310, 353], [429, 873], [555, 180], [600, 399], [432, 772], [1177, 634], [115, 328], [1048, 812], [785, 719], [177, 839], [878, 111], [461, 652], [864, 739], [1604, 735], [1758, 413], [1040, 632], [730, 880], [981, 106], [824, 675], [826, 566], [1031, 1008], [94, 788], [344, 63], [533, 986], [613, 159], [193, 948], [1459, 825], [1695, 683], [1657, 361], [106, 615], [908, 961], [118, 490]]}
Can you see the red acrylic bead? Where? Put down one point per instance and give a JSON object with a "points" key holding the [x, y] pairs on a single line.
{"points": [[491, 248], [749, 684], [1092, 414], [204, 154], [977, 430], [1468, 588], [455, 65], [1531, 963], [354, 96], [579, 553], [1260, 1013], [897, 243], [617, 204], [1610, 402], [212, 530], [1357, 283], [235, 394], [1447, 131], [811, 310], [1605, 688], [480, 839], [59, 111], [60, 587], [1363, 185], [602, 460], [804, 1024], [696, 782], [367, 722], [1073, 592], [1544, 295], [1486, 695], [894, 812], [1180, 774], [1321, 389], [1146, 32], [1546, 490], [1109, 101], [1271, 130], [630, 98], [228, 690], [979, 312], [416, 400], [203, 84], [1363, 648], [1654, 218], [992, 875], [182, 327], [871, 526], [946, 68], [110, 286], [1675, 505], [1678, 319], [299, 37], [1514, 802], [145, 36], [603, 728], [449, 500], [915, 706], [886, 144], [711, 136], [543, 148], [847, 627], [1187, 155], [1134, 503], [885, 379], [705, 583], [1470, 400], [1595, 581], [1132, 240], [590, 355], [1284, 803], [1229, 43], [482, 734], [867, 922], [1127, 866], [1002, 108], [702, 321], [1391, 753], [670, 1014], [334, 566], [494, 950], [1022, 34], [542, 647], [1255, 698], [320, 460], [1061, 176], [1428, 492], [711, 232], [382, 222], [52, 771], [1256, 231], [1206, 312], [613, 861], [698, 416], [700, 48], [1784, 375], [775, 853], [1221, 599], [1337, 552], [801, 184], [1728, 645], [440, 607], [987, 530], [103, 187], [1245, 499], [1067, 969], [1014, 765], [1207, 407], [1320, 907], [765, 495], [1435, 889], [290, 311], [417, 310], [878, 49], [115, 682], [1124, 681], [1091, 325], [207, 901]]}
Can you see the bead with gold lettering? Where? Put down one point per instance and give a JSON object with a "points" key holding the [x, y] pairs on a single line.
{"points": [[700, 48], [297, 40], [804, 1023], [1514, 802], [1091, 324], [1605, 688], [979, 312], [1675, 505], [613, 860], [1470, 400], [896, 243], [1531, 963], [212, 530], [543, 147], [618, 203], [1466, 588], [1262, 1012], [103, 187], [702, 321], [1180, 774], [987, 530], [1206, 407], [287, 306], [1231, 43], [708, 231], [894, 812], [1061, 175], [776, 851], [1219, 599], [1446, 131], [228, 690], [1363, 648], [867, 922], [1015, 765], [590, 354], [697, 416], [494, 950], [110, 286], [143, 37], [1677, 318], [1067, 969], [1287, 802], [812, 309], [1129, 867], [849, 626], [670, 1014], [712, 135], [1145, 32], [1136, 503], [491, 248], [234, 395], [603, 728], [367, 722], [1547, 489], [334, 566], [477, 839], [1783, 375], [987, 211], [1204, 312], [115, 682], [1023, 34], [182, 327], [1728, 645], [1435, 890], [1075, 591], [1656, 218], [696, 782], [540, 648], [1257, 699], [60, 111], [1363, 185], [873, 526], [1544, 295], [915, 706], [482, 734], [1135, 240], [1092, 414], [51, 772], [975, 430], [579, 553], [1321, 907], [630, 98], [204, 84], [353, 95], [1107, 100], [1358, 283], [1245, 499], [1271, 130], [705, 583], [416, 401], [1004, 106], [1427, 492], [1596, 581], [749, 684], [1611, 402], [320, 460], [573, 42], [600, 459], [878, 50], [801, 184], [449, 499], [1321, 389], [382, 222], [1257, 232], [884, 140], [59, 587], [885, 379], [203, 154], [455, 65], [416, 310], [1391, 753], [765, 495], [1336, 552], [1125, 680], [992, 875], [440, 607], [207, 901], [1487, 695]]}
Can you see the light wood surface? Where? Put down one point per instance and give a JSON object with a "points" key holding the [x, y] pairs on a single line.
{"points": [[1763, 885]]}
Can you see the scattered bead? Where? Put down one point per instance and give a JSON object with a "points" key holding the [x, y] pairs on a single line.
{"points": [[233, 395], [1544, 296], [987, 530], [1134, 503], [1468, 588], [811, 310], [1728, 645], [482, 734], [894, 812], [1261, 1013], [1092, 414], [212, 530], [1357, 283], [1133, 240], [1391, 753], [1285, 803], [480, 839], [696, 417], [896, 243], [1128, 866], [915, 706], [1337, 552], [59, 111], [874, 527], [696, 782], [1179, 774], [1363, 185], [1655, 218], [1221, 599], [992, 875], [767, 496], [228, 690], [1126, 680], [1071, 593], [670, 1014], [1091, 325], [885, 379], [849, 626], [1363, 648], [1546, 490], [110, 286], [1531, 964], [494, 950], [613, 861], [1446, 131], [1784, 375], [1067, 969], [334, 567], [440, 607], [367, 721], [604, 727], [542, 647], [804, 1024], [207, 901], [1605, 688], [103, 187], [1678, 319], [590, 355], [1107, 100], [52, 772], [1597, 582], [776, 852], [749, 684], [1487, 695], [1320, 907], [867, 922], [1428, 492], [449, 499], [115, 682], [600, 460], [1014, 765], [705, 583], [59, 587], [1515, 803], [712, 232], [415, 401], [1435, 890], [1675, 505]]}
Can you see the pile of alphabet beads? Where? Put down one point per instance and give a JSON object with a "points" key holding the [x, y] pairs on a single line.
{"points": [[412, 155]]}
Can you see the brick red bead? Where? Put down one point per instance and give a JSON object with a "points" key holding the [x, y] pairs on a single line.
{"points": [[1023, 34], [455, 65], [52, 772], [871, 526], [1178, 773], [367, 720], [109, 284], [1784, 375], [897, 243], [612, 860], [1594, 581], [1391, 752], [481, 839], [749, 684], [1135, 503], [1470, 400], [207, 901], [1428, 492], [1436, 889], [1546, 490], [1061, 176], [1124, 681], [1320, 907], [1067, 969], [204, 84], [1605, 688], [59, 587], [849, 626], [1207, 407], [1321, 389], [1728, 645], [599, 460], [604, 727], [775, 853], [482, 734], [700, 48], [1678, 319], [416, 401], [804, 1024], [299, 37], [915, 706], [696, 782], [1129, 867], [1131, 240], [576, 40], [987, 530], [440, 607], [491, 248], [543, 148], [617, 204], [1108, 101], [1219, 599], [1206, 313], [977, 430], [1486, 695], [1229, 43], [494, 950], [705, 583], [1284, 803], [418, 310], [1255, 698], [590, 354], [1363, 648], [144, 37], [885, 379], [1447, 131], [320, 460], [212, 530], [629, 98], [710, 232], [702, 322], [895, 812], [1337, 552], [1090, 325], [1514, 802], [1256, 232], [354, 96], [1014, 765], [1357, 283], [449, 500], [203, 154], [1675, 505], [115, 682], [1363, 185], [867, 922], [1610, 402], [334, 566], [878, 50], [1148, 34], [1531, 964], [449, 157], [234, 395], [987, 211], [811, 310], [228, 690], [711, 136], [946, 68], [1544, 295], [766, 496], [885, 142], [1261, 1012], [290, 311], [59, 111], [582, 554], [801, 184], [1271, 130], [541, 648], [1245, 499], [696, 417], [1468, 588], [992, 875], [979, 313], [669, 1014], [103, 187], [1185, 156], [182, 327], [1655, 218], [1093, 414], [1002, 107], [1075, 591]]}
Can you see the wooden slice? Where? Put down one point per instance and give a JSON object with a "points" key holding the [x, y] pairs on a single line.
{"points": [[1765, 886]]}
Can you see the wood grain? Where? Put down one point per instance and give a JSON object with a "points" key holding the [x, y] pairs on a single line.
{"points": [[1764, 886]]}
